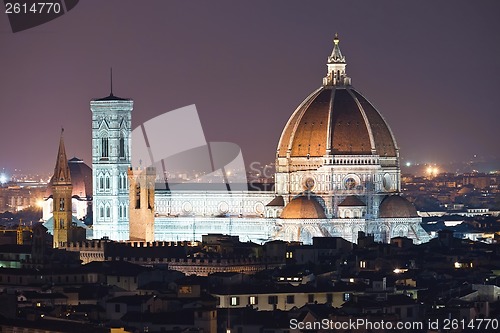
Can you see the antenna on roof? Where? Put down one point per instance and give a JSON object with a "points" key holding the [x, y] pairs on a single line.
{"points": [[111, 80]]}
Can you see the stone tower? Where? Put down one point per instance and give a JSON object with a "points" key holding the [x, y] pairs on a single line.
{"points": [[142, 199], [61, 193], [111, 143]]}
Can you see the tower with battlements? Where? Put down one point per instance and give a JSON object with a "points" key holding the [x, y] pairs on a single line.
{"points": [[142, 204]]}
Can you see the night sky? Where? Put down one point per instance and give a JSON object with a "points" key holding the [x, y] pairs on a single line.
{"points": [[432, 68]]}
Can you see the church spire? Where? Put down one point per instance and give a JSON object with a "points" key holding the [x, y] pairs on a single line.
{"points": [[61, 171], [336, 75]]}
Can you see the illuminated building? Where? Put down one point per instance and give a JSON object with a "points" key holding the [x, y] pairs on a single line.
{"points": [[337, 173]]}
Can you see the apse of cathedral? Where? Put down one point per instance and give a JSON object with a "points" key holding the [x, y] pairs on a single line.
{"points": [[337, 174]]}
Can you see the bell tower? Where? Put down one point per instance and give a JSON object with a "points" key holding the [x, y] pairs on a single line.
{"points": [[62, 190], [111, 143]]}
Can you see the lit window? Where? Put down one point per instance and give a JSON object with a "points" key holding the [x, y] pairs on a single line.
{"points": [[253, 300], [347, 297], [235, 301]]}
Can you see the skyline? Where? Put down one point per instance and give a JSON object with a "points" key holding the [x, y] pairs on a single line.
{"points": [[247, 66]]}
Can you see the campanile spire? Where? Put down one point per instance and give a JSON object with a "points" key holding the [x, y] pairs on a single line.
{"points": [[62, 175]]}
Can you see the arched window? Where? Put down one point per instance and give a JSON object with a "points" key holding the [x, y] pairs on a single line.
{"points": [[108, 183], [108, 212], [101, 182], [61, 204], [101, 212]]}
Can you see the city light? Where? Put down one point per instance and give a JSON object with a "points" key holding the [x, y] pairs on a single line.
{"points": [[408, 164], [3, 178], [432, 171]]}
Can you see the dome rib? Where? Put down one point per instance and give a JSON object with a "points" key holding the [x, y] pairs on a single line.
{"points": [[382, 132], [365, 118], [288, 133], [310, 130], [349, 132]]}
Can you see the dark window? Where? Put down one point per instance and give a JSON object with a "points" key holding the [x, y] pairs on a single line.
{"points": [[137, 196], [104, 147], [329, 298], [122, 147], [108, 183], [108, 212], [117, 308], [310, 298], [290, 299], [272, 300]]}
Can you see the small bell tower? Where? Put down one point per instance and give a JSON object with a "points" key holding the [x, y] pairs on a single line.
{"points": [[62, 190]]}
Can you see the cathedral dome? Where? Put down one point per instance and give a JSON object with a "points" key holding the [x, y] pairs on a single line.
{"points": [[336, 120], [395, 206], [303, 207]]}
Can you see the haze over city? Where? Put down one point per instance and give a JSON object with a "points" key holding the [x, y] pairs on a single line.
{"points": [[430, 68]]}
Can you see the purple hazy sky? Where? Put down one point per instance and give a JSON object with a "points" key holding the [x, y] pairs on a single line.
{"points": [[431, 68]]}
